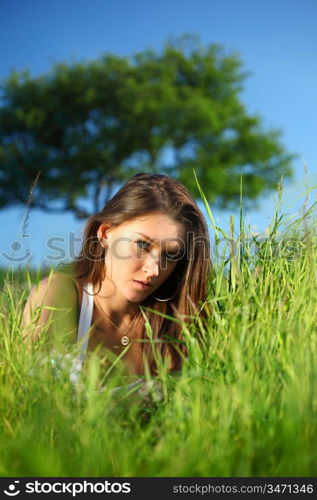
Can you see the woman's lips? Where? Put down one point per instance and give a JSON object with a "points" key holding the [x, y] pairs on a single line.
{"points": [[141, 285]]}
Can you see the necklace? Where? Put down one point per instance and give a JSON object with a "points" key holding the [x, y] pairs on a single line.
{"points": [[124, 339]]}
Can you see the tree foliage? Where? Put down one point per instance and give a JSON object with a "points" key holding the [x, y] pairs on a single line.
{"points": [[88, 126]]}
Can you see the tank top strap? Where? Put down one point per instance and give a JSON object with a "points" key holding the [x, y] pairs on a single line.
{"points": [[85, 318]]}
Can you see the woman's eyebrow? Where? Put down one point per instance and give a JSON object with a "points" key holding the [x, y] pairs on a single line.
{"points": [[174, 249], [145, 236]]}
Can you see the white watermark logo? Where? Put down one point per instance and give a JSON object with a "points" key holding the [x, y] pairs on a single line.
{"points": [[69, 487], [12, 490]]}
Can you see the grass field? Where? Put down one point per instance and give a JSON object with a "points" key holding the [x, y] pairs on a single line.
{"points": [[244, 404]]}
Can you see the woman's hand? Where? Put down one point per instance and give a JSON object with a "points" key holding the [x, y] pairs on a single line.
{"points": [[152, 391]]}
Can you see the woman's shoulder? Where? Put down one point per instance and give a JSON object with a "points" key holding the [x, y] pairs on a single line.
{"points": [[59, 285], [54, 297]]}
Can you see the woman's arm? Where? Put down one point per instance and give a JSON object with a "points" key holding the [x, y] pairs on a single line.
{"points": [[52, 307]]}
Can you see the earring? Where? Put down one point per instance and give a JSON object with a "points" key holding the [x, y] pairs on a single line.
{"points": [[169, 298]]}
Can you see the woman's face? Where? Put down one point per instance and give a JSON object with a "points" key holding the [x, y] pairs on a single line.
{"points": [[141, 254]]}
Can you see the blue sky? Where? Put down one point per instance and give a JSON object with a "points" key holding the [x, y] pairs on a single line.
{"points": [[276, 40]]}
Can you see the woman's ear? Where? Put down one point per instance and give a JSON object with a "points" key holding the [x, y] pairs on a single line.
{"points": [[102, 234]]}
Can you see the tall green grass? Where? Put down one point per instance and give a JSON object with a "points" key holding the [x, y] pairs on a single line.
{"points": [[244, 404]]}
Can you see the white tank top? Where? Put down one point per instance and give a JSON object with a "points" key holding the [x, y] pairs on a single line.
{"points": [[85, 318]]}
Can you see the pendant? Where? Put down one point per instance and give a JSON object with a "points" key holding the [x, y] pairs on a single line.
{"points": [[125, 340]]}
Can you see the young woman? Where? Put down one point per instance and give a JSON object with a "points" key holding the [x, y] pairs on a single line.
{"points": [[145, 256]]}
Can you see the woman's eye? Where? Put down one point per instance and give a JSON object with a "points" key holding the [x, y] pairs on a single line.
{"points": [[145, 245]]}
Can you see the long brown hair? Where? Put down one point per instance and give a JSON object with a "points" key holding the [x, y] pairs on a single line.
{"points": [[144, 194]]}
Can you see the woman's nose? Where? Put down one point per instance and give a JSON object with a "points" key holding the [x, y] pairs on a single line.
{"points": [[151, 266]]}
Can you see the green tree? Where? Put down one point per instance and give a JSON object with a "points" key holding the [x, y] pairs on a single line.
{"points": [[88, 126]]}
